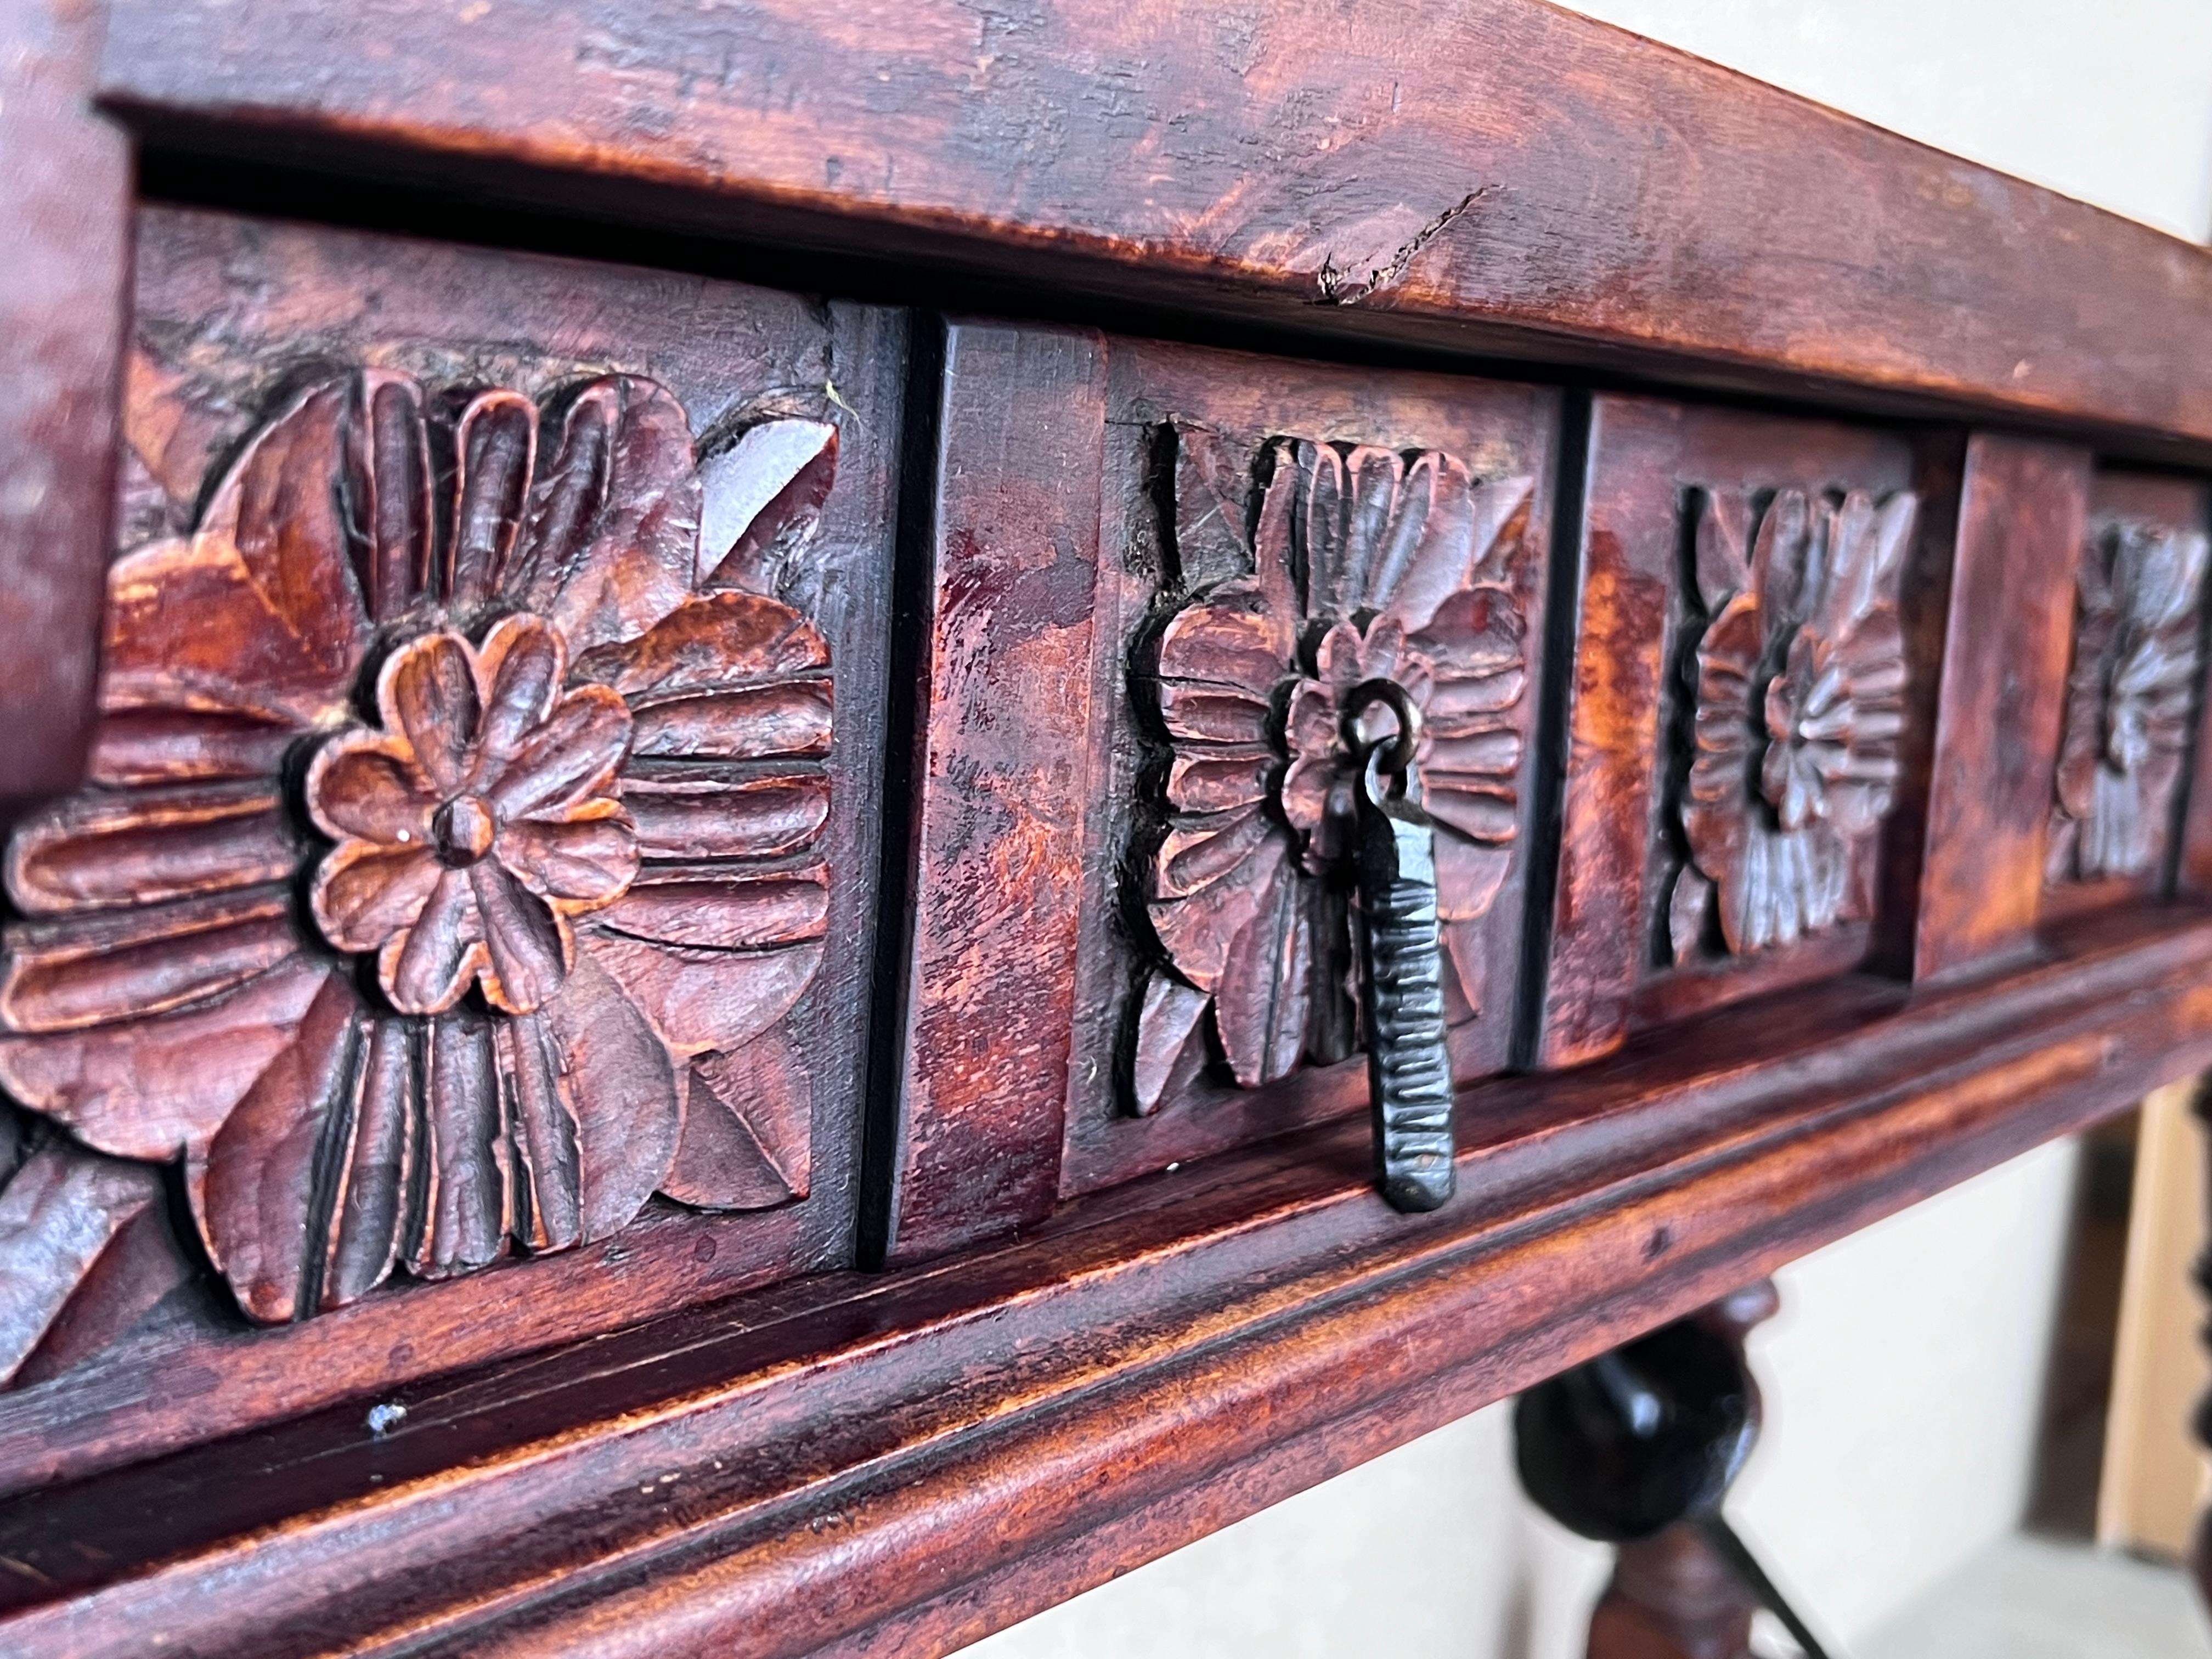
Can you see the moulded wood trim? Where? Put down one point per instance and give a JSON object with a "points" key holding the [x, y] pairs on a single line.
{"points": [[897, 1464], [1500, 176]]}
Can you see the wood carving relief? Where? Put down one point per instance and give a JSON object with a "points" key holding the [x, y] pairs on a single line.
{"points": [[452, 826], [1307, 568], [1796, 681], [2130, 700]]}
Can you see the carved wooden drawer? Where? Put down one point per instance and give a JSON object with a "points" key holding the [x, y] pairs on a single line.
{"points": [[479, 860]]}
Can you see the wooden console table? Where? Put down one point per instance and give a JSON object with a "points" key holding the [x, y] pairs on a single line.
{"points": [[678, 974]]}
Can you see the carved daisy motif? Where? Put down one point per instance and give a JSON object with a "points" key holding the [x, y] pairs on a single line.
{"points": [[1347, 563], [1799, 680], [549, 773], [2129, 701]]}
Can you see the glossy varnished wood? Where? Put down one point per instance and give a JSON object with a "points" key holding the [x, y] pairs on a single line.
{"points": [[1173, 578], [1503, 175], [234, 318], [1001, 783], [2006, 637], [901, 1464]]}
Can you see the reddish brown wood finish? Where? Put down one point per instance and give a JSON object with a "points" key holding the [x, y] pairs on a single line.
{"points": [[1683, 505], [1179, 579], [1419, 171], [64, 200], [2005, 646], [901, 1464], [742, 1034], [1002, 785]]}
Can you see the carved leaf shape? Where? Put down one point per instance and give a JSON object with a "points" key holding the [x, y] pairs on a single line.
{"points": [[761, 502], [1214, 504], [84, 1249], [1266, 984], [1167, 1023], [746, 1133], [266, 610]]}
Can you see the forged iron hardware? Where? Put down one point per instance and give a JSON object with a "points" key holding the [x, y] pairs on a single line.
{"points": [[1653, 1433], [1401, 950]]}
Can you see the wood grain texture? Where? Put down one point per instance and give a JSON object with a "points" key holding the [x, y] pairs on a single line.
{"points": [[1499, 175], [1686, 736], [439, 675], [1002, 785], [901, 1464], [65, 198], [1267, 526], [2001, 688]]}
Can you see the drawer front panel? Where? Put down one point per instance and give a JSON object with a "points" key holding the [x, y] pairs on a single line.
{"points": [[470, 908]]}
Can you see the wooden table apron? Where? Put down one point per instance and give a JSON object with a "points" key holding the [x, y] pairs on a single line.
{"points": [[834, 1118]]}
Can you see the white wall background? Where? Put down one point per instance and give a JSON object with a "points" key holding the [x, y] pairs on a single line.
{"points": [[1903, 1375]]}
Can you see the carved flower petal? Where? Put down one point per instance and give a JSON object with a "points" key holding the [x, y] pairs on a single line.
{"points": [[586, 861], [154, 1087], [1382, 525], [699, 1000], [718, 643], [105, 965], [494, 451], [1197, 930], [746, 1129], [1460, 705], [180, 746], [1468, 533], [366, 784], [1324, 490], [363, 893], [572, 756], [611, 541], [1200, 851], [1233, 640], [738, 817], [97, 849], [1477, 630], [1469, 875], [519, 668], [1493, 753], [467, 1216], [1306, 789], [754, 913], [1213, 505], [527, 943], [262, 1195], [1310, 724], [1341, 660], [1210, 714], [265, 607], [425, 968], [1483, 814], [1212, 779], [758, 723], [427, 696]]}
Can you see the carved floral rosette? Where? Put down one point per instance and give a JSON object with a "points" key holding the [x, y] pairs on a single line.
{"points": [[1307, 570], [2130, 700], [452, 831], [1797, 679]]}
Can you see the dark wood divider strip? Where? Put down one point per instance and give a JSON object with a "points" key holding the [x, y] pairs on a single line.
{"points": [[1497, 177], [846, 1464]]}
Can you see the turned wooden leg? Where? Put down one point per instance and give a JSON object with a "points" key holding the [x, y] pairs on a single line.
{"points": [[1672, 1597]]}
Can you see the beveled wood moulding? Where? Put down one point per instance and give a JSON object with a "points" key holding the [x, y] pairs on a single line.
{"points": [[488, 753]]}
